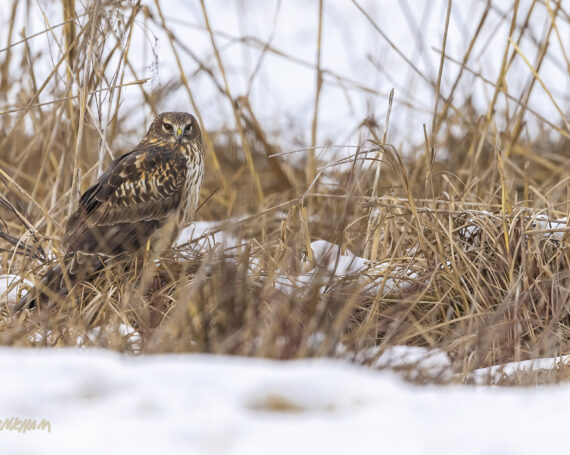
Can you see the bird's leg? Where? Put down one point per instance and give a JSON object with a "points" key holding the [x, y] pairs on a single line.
{"points": [[149, 257], [146, 252], [155, 247]]}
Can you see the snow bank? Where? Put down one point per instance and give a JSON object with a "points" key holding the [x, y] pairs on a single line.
{"points": [[329, 258], [493, 374], [98, 401], [433, 363]]}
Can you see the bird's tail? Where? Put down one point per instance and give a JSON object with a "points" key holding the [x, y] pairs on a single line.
{"points": [[57, 282], [49, 288]]}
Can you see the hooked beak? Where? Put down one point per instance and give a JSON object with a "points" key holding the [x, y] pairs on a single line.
{"points": [[178, 135]]}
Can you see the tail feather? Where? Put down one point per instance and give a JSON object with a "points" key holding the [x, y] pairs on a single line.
{"points": [[56, 283], [51, 285]]}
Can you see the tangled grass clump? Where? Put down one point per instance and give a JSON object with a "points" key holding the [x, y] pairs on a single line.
{"points": [[463, 251]]}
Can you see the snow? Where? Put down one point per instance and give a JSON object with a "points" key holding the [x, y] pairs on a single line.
{"points": [[330, 258], [205, 234], [433, 363], [553, 229], [98, 401], [98, 335], [534, 223], [327, 256], [13, 287], [495, 373]]}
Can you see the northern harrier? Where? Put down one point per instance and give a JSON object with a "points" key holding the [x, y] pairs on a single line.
{"points": [[148, 194]]}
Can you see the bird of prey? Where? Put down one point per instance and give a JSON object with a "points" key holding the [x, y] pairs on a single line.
{"points": [[144, 197]]}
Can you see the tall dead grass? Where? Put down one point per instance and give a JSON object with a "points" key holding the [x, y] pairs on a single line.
{"points": [[488, 287]]}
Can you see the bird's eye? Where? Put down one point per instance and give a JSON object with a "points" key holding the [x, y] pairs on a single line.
{"points": [[167, 126], [188, 128]]}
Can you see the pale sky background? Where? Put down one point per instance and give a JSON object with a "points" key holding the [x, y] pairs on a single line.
{"points": [[282, 93]]}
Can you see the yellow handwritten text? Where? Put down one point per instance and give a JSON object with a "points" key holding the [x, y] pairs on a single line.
{"points": [[23, 425]]}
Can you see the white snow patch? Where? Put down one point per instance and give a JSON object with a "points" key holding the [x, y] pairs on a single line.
{"points": [[98, 334], [329, 257], [495, 373], [542, 222], [95, 400], [326, 254], [534, 222], [206, 235], [13, 287], [433, 362], [412, 360]]}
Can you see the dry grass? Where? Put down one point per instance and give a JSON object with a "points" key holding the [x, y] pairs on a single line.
{"points": [[498, 296]]}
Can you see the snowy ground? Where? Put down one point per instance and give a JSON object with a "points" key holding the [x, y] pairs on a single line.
{"points": [[101, 402]]}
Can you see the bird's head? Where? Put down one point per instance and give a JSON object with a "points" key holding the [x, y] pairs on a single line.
{"points": [[174, 129]]}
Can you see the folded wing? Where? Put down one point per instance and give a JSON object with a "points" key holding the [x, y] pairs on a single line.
{"points": [[133, 198]]}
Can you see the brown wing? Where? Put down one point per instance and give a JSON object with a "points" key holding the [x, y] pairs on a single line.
{"points": [[131, 199]]}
